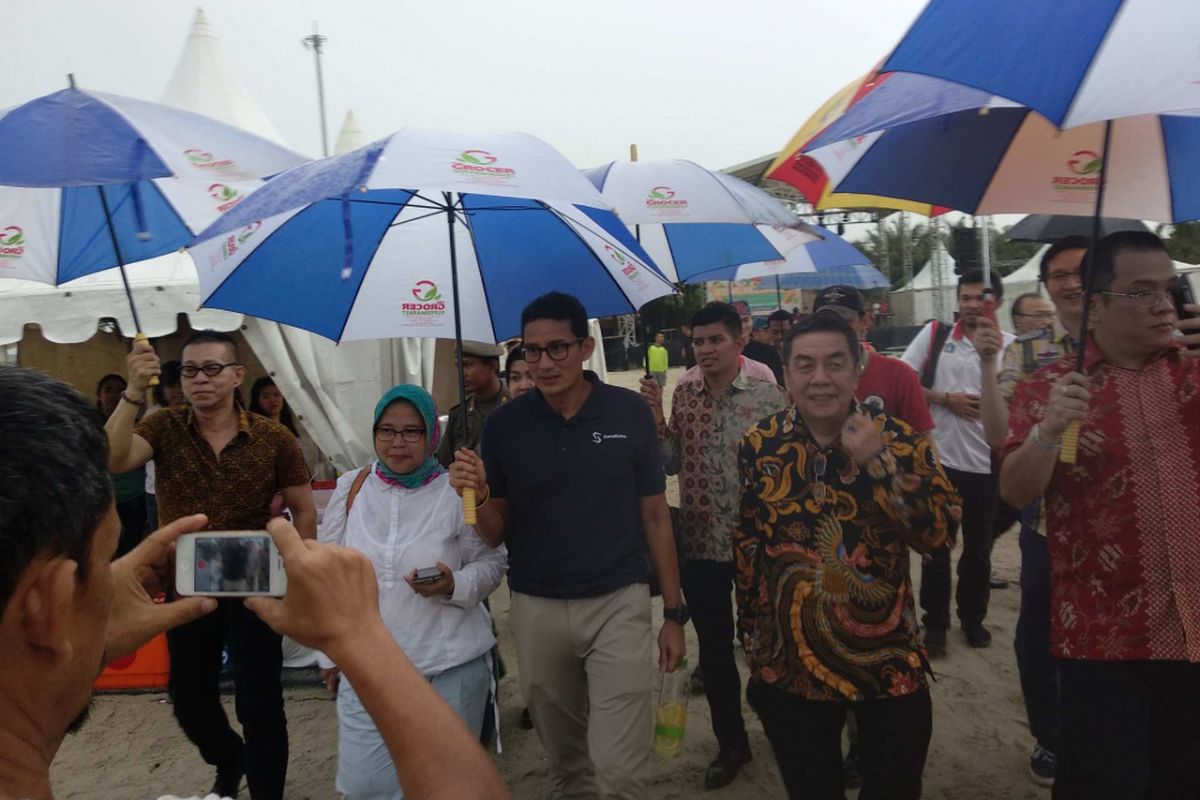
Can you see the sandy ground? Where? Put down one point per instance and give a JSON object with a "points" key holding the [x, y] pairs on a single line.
{"points": [[132, 747]]}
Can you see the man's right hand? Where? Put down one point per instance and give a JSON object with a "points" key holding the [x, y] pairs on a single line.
{"points": [[963, 405], [332, 597], [143, 364], [654, 396], [467, 471], [1068, 402], [989, 340]]}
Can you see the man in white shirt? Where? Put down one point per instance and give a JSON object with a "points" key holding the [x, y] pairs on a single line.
{"points": [[949, 364]]}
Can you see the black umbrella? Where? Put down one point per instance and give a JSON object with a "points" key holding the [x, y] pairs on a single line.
{"points": [[1050, 228]]}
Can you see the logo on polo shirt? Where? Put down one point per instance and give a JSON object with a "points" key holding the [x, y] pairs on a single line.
{"points": [[598, 437]]}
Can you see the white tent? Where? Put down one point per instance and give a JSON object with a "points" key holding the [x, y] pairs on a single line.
{"points": [[204, 82], [351, 136], [934, 279]]}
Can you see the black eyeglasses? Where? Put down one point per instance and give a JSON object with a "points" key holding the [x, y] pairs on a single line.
{"points": [[211, 370], [556, 350], [410, 435]]}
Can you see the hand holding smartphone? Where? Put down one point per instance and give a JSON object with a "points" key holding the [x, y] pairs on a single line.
{"points": [[1183, 294], [229, 564]]}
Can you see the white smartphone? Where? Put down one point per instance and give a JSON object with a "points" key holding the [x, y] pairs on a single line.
{"points": [[229, 564]]}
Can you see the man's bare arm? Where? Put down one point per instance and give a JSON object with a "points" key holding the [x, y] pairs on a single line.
{"points": [[299, 500]]}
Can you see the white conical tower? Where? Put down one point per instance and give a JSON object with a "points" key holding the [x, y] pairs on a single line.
{"points": [[351, 136], [204, 82]]}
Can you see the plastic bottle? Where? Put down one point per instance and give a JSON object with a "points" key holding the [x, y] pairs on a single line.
{"points": [[670, 718]]}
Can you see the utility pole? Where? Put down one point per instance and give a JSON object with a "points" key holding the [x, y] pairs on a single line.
{"points": [[315, 43]]}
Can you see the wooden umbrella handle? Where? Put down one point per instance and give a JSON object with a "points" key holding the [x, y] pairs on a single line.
{"points": [[141, 337], [1070, 443], [468, 496]]}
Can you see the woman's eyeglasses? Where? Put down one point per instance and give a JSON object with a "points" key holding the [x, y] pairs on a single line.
{"points": [[410, 435]]}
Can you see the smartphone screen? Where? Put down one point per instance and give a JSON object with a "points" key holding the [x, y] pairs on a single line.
{"points": [[230, 564]]}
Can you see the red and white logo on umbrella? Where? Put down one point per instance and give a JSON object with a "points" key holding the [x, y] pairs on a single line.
{"points": [[12, 242]]}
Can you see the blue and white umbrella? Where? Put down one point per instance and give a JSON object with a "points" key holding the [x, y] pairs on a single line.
{"points": [[1074, 61], [829, 261], [89, 181], [419, 232], [690, 219]]}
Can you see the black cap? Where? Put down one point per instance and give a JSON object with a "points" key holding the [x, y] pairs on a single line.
{"points": [[845, 301]]}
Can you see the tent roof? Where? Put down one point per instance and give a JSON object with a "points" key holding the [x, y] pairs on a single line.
{"points": [[162, 288], [204, 82], [924, 278], [351, 136]]}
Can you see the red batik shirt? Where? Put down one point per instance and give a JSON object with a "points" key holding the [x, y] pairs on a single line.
{"points": [[1124, 521]]}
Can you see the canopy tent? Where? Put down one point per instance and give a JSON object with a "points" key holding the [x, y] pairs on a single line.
{"points": [[351, 136], [917, 301]]}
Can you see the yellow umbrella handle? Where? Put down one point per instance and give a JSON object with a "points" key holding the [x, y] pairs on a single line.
{"points": [[469, 505], [141, 337], [1070, 443]]}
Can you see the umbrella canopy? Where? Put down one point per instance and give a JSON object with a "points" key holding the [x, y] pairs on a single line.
{"points": [[1074, 61], [800, 171], [828, 261], [690, 219], [162, 173], [1052, 227], [419, 230], [936, 141]]}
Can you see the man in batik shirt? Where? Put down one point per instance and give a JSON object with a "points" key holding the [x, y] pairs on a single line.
{"points": [[1122, 525], [833, 497], [700, 445]]}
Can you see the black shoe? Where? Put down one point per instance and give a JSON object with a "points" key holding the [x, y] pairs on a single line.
{"points": [[725, 768], [229, 779], [852, 777], [997, 583], [935, 642], [526, 720], [977, 635]]}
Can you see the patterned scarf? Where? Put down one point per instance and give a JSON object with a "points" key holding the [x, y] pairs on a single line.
{"points": [[430, 468]]}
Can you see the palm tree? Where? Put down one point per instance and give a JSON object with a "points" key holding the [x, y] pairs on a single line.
{"points": [[919, 238]]}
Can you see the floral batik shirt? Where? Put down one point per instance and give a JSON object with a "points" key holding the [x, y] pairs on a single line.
{"points": [[1123, 521], [824, 600], [700, 445]]}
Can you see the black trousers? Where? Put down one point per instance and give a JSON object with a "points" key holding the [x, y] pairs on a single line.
{"points": [[978, 491], [1131, 730], [806, 736], [708, 590], [132, 513], [1036, 664], [257, 660]]}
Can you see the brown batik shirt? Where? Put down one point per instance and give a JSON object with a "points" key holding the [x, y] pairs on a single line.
{"points": [[235, 490]]}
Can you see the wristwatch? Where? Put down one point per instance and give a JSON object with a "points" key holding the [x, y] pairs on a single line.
{"points": [[679, 614]]}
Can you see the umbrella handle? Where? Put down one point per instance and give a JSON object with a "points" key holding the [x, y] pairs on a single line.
{"points": [[141, 337], [468, 496], [1070, 443]]}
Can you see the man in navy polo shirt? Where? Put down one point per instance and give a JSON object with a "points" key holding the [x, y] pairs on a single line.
{"points": [[572, 481]]}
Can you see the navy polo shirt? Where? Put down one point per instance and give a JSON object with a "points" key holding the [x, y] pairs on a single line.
{"points": [[574, 489]]}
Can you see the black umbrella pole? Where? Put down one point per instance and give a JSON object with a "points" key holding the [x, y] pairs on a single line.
{"points": [[1070, 439], [468, 494], [112, 233]]}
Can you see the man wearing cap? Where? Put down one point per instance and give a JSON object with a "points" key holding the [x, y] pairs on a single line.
{"points": [[885, 384], [759, 347], [485, 393]]}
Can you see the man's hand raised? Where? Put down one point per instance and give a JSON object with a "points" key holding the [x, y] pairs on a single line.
{"points": [[146, 571]]}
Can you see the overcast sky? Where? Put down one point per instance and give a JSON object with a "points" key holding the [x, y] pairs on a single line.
{"points": [[716, 81]]}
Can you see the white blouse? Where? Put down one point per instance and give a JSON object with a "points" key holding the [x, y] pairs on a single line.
{"points": [[403, 529]]}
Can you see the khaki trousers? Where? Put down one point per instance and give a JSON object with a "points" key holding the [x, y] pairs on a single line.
{"points": [[585, 670]]}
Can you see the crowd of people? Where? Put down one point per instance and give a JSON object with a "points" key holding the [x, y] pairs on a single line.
{"points": [[810, 468]]}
